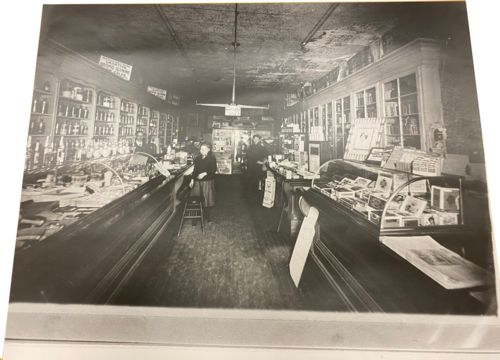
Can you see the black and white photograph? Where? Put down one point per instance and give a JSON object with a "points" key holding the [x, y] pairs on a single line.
{"points": [[180, 177]]}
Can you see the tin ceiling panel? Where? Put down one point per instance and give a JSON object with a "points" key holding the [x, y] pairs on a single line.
{"points": [[270, 55]]}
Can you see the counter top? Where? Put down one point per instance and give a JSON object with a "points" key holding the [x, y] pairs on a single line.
{"points": [[86, 260], [61, 206]]}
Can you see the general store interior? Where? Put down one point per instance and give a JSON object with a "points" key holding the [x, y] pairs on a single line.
{"points": [[311, 80]]}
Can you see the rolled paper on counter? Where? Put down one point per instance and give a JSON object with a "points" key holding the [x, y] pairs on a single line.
{"points": [[36, 222], [28, 237]]}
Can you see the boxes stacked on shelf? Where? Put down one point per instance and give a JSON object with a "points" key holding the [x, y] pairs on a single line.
{"points": [[408, 208]]}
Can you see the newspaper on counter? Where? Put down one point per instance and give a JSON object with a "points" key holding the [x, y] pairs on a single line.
{"points": [[447, 268]]}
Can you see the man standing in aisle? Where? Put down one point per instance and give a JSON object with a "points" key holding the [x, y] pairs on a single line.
{"points": [[255, 173], [140, 144]]}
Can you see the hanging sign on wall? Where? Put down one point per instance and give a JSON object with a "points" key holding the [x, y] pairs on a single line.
{"points": [[116, 67], [159, 93]]}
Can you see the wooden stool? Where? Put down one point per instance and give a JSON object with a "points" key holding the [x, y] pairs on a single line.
{"points": [[193, 209]]}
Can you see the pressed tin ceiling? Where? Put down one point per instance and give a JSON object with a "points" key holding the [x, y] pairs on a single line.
{"points": [[270, 57]]}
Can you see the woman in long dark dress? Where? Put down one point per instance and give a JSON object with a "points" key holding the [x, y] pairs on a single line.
{"points": [[203, 180]]}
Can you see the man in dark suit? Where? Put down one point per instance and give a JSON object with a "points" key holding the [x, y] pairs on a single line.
{"points": [[140, 144], [256, 159]]}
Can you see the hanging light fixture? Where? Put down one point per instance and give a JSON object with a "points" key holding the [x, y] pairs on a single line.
{"points": [[234, 109]]}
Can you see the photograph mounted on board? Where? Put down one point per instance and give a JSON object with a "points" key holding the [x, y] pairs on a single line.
{"points": [[166, 161]]}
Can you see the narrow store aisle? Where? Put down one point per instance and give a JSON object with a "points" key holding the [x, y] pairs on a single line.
{"points": [[240, 261]]}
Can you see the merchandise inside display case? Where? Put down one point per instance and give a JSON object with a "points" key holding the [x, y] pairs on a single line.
{"points": [[417, 219], [392, 199], [320, 162], [59, 196]]}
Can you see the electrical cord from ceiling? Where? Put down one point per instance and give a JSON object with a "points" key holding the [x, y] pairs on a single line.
{"points": [[318, 25], [166, 22]]}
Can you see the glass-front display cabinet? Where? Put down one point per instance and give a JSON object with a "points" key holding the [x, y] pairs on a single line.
{"points": [[394, 241], [392, 201]]}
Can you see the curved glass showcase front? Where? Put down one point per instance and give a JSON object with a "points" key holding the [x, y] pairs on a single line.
{"points": [[60, 196], [392, 199]]}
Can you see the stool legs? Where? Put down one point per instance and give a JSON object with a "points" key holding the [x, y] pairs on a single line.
{"points": [[283, 209], [182, 219], [193, 210], [202, 223]]}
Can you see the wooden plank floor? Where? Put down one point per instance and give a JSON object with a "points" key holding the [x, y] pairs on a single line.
{"points": [[240, 261]]}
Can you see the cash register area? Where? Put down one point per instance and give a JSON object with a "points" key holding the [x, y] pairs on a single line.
{"points": [[373, 197]]}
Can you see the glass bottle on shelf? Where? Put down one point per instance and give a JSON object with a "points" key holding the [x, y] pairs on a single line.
{"points": [[35, 105], [28, 162], [44, 106], [47, 151], [36, 154], [41, 126], [32, 127], [46, 86], [60, 152]]}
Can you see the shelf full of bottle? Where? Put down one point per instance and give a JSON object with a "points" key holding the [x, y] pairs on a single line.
{"points": [[142, 124], [153, 123], [142, 112], [38, 126], [127, 107], [69, 110], [142, 118], [45, 156], [37, 153], [104, 129], [74, 92], [41, 104], [125, 131], [69, 150], [69, 127], [105, 116], [106, 101], [126, 124], [153, 129], [162, 126]]}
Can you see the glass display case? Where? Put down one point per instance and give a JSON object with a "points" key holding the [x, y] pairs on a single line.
{"points": [[392, 201], [98, 217], [55, 199]]}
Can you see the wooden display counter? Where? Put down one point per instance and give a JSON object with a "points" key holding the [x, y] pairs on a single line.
{"points": [[87, 261], [370, 278]]}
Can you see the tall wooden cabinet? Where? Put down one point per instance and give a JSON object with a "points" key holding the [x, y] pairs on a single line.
{"points": [[403, 88], [80, 110]]}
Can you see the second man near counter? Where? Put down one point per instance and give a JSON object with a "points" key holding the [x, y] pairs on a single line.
{"points": [[255, 172]]}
